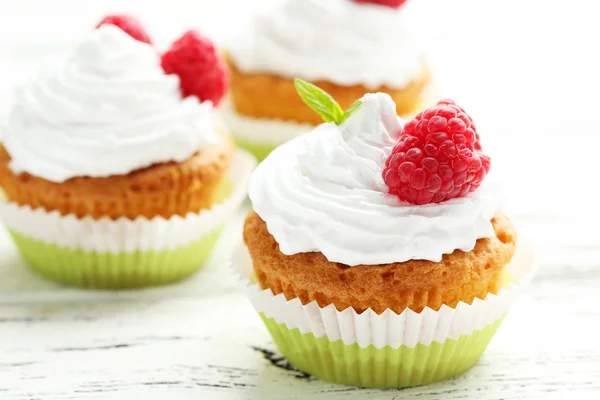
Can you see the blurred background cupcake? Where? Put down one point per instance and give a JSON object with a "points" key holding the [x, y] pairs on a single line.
{"points": [[115, 171], [347, 47]]}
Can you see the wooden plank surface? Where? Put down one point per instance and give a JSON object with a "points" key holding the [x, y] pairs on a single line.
{"points": [[215, 347]]}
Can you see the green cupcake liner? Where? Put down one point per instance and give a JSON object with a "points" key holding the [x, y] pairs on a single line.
{"points": [[380, 368], [105, 270], [259, 150], [119, 269]]}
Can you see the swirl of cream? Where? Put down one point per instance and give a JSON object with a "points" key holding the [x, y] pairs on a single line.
{"points": [[324, 191], [335, 40], [108, 109]]}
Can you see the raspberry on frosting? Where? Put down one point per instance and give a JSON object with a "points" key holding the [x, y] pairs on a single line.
{"points": [[201, 70], [129, 25], [388, 3], [321, 188], [437, 158]]}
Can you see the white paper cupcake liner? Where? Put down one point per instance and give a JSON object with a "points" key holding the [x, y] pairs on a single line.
{"points": [[261, 130], [387, 329], [126, 235]]}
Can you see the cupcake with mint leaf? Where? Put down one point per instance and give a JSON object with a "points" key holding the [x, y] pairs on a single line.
{"points": [[376, 252]]}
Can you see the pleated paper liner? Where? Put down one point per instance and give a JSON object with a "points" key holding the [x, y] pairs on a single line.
{"points": [[259, 150], [259, 136], [124, 253], [385, 350], [122, 270], [380, 368]]}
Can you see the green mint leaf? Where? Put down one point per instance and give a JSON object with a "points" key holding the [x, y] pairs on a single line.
{"points": [[349, 111], [320, 101]]}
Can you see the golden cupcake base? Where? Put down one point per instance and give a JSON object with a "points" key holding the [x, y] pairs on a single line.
{"points": [[161, 190], [264, 96], [415, 284]]}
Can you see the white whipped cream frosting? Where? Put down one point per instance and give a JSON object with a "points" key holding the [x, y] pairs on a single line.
{"points": [[339, 41], [107, 109], [324, 191]]}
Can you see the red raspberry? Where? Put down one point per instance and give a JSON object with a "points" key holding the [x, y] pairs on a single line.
{"points": [[388, 3], [462, 114], [129, 25], [202, 72], [437, 157]]}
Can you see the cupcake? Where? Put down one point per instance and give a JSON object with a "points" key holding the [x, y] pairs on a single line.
{"points": [[375, 253], [346, 47], [112, 178]]}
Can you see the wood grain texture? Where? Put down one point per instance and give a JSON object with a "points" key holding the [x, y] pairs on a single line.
{"points": [[217, 348], [530, 81]]}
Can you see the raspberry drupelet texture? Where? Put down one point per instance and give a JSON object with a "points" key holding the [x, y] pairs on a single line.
{"points": [[129, 25], [388, 3], [202, 72], [437, 158], [462, 114]]}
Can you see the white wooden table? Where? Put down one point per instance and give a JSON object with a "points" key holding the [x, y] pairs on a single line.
{"points": [[528, 77]]}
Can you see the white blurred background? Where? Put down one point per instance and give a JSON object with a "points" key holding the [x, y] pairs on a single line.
{"points": [[526, 70]]}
